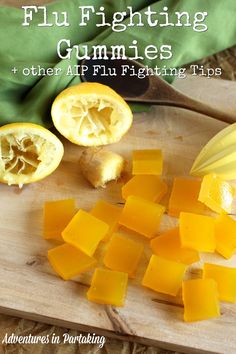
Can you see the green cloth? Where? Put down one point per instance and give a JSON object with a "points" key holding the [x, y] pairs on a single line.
{"points": [[29, 98]]}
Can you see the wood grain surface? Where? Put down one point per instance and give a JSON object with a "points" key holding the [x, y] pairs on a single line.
{"points": [[29, 287]]}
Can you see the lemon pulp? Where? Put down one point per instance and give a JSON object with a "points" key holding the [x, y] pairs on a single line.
{"points": [[27, 153], [91, 114]]}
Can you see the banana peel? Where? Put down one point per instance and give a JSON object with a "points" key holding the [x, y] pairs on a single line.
{"points": [[218, 155]]}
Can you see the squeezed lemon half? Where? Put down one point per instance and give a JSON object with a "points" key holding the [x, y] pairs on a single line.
{"points": [[91, 114], [28, 153]]}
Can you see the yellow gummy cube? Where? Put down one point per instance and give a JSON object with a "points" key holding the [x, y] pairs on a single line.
{"points": [[217, 194], [85, 232], [225, 235], [108, 213], [57, 214], [163, 275], [168, 246], [184, 196], [147, 162], [68, 261], [225, 278], [197, 232], [142, 216], [149, 187], [200, 297], [108, 287], [123, 254]]}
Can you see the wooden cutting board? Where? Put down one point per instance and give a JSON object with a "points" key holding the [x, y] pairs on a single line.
{"points": [[28, 286]]}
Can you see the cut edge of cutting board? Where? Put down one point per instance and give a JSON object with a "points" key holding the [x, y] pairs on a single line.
{"points": [[116, 334]]}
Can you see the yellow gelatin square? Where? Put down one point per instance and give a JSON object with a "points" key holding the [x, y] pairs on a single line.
{"points": [[225, 235], [108, 213], [217, 194], [123, 254], [56, 215], [149, 187], [163, 275], [184, 196], [68, 261], [108, 287], [142, 216], [197, 232], [147, 162], [225, 278], [168, 246], [85, 232], [200, 297]]}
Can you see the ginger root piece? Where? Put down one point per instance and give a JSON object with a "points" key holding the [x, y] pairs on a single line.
{"points": [[101, 166]]}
